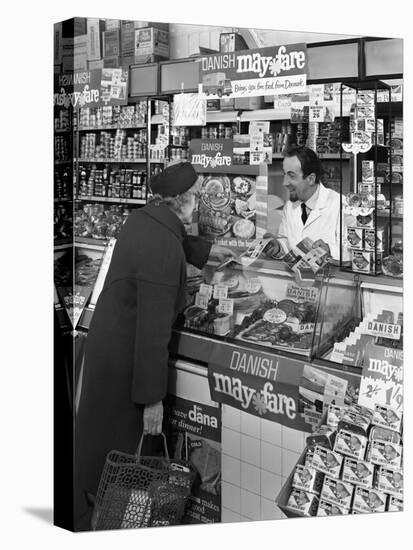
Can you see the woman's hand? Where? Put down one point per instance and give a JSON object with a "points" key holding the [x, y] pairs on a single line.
{"points": [[152, 418], [221, 253]]}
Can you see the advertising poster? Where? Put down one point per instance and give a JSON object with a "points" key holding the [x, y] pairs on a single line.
{"points": [[264, 71], [189, 110], [194, 434], [114, 86], [276, 388], [210, 153], [78, 89]]}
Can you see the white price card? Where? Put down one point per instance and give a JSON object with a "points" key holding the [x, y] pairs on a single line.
{"points": [[220, 291], [205, 290], [253, 285], [201, 300], [226, 305]]}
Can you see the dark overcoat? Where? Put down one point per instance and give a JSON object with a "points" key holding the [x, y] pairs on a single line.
{"points": [[126, 357]]}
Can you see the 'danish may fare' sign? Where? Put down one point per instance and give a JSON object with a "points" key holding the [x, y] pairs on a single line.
{"points": [[264, 71]]}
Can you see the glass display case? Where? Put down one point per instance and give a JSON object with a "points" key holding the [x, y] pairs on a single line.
{"points": [[264, 305], [370, 241]]}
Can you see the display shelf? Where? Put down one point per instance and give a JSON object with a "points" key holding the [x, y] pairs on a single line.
{"points": [[387, 215], [157, 119], [62, 199], [111, 127], [88, 242], [239, 169], [322, 156], [63, 244], [63, 131], [61, 162], [114, 161], [111, 199]]}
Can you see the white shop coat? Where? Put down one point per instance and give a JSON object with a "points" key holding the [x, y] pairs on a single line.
{"points": [[323, 222]]}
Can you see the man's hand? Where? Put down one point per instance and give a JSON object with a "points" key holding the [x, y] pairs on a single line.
{"points": [[152, 418], [221, 253], [273, 249], [320, 243]]}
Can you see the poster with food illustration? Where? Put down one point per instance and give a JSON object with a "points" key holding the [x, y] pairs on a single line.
{"points": [[226, 212]]}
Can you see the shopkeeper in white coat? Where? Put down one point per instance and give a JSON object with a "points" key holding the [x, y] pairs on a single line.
{"points": [[312, 210]]}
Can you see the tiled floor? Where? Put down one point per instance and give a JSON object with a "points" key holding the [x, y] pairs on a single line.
{"points": [[257, 457]]}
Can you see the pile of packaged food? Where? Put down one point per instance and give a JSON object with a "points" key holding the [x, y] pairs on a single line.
{"points": [[97, 222], [352, 464]]}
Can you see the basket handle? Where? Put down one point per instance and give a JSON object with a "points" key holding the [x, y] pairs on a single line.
{"points": [[165, 446]]}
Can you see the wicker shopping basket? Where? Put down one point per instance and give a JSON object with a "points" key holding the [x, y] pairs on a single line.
{"points": [[137, 491]]}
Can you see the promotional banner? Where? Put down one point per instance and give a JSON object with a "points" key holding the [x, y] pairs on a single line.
{"points": [[382, 378], [265, 71], [194, 434], [189, 110], [91, 88], [281, 389], [210, 153]]}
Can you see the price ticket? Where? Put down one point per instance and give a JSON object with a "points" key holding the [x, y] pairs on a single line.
{"points": [[220, 291], [226, 305], [201, 300]]}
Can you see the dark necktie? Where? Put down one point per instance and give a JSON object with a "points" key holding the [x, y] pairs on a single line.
{"points": [[304, 214]]}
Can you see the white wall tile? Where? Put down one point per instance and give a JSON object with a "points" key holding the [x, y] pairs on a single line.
{"points": [[231, 442], [271, 458], [271, 432], [250, 505], [250, 450], [250, 425], [231, 497], [228, 516], [250, 478], [270, 485], [293, 440], [231, 470], [231, 418], [289, 460], [269, 510]]}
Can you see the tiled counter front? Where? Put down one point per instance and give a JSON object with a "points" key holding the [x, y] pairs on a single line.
{"points": [[257, 457]]}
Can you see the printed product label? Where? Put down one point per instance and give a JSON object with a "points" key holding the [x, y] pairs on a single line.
{"points": [[369, 500], [358, 472], [337, 491], [350, 444], [327, 461]]}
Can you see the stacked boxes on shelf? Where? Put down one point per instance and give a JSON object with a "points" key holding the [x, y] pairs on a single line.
{"points": [[352, 464], [112, 182], [109, 146], [113, 116]]}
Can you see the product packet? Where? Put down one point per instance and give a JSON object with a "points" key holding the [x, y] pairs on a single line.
{"points": [[327, 508], [384, 453], [327, 461], [358, 472], [350, 444], [306, 479], [383, 434], [390, 480], [334, 414], [395, 504], [303, 503], [387, 417], [355, 237], [323, 435], [369, 500], [337, 491]]}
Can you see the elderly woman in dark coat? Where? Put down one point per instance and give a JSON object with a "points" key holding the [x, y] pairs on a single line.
{"points": [[125, 371]]}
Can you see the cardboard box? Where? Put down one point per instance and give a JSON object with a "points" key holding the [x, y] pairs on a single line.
{"points": [[126, 62], [93, 65], [326, 508], [369, 500], [111, 43], [95, 29], [158, 25], [302, 503], [151, 41], [350, 444], [337, 491], [112, 62], [307, 479], [57, 69], [358, 472], [112, 24], [79, 26], [385, 453], [127, 38], [372, 238], [395, 504], [390, 480], [386, 417], [355, 237], [231, 42], [57, 45], [248, 103], [327, 461]]}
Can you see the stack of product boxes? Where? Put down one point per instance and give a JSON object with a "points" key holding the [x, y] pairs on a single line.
{"points": [[363, 238], [352, 350], [352, 464], [91, 43]]}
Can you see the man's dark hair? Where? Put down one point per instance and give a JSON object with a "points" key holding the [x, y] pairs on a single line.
{"points": [[310, 163]]}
